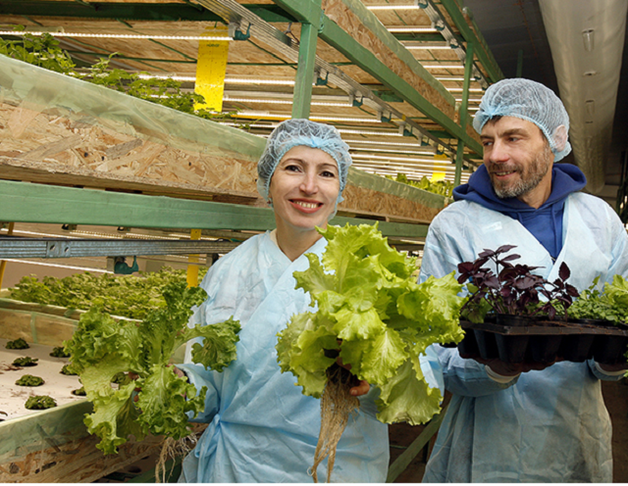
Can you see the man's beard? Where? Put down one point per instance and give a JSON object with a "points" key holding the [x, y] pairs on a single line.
{"points": [[528, 180]]}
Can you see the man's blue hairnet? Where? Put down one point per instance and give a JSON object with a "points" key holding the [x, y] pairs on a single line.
{"points": [[531, 101], [295, 132]]}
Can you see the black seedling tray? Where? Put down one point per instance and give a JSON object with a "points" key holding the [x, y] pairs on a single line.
{"points": [[536, 341]]}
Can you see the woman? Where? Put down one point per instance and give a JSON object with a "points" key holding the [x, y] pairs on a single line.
{"points": [[261, 427]]}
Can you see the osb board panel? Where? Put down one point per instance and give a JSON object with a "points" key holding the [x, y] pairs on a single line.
{"points": [[337, 11], [52, 331], [388, 206], [49, 329], [77, 461], [53, 143], [402, 17], [15, 325], [49, 147]]}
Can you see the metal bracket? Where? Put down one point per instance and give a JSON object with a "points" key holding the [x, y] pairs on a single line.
{"points": [[57, 249]]}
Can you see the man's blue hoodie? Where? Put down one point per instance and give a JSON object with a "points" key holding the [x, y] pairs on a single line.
{"points": [[545, 223]]}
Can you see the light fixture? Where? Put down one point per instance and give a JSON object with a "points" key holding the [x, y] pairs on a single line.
{"points": [[367, 132], [233, 80], [161, 76], [261, 114], [445, 163], [269, 81], [470, 100], [392, 7], [442, 66], [411, 30], [118, 36], [69, 267], [377, 142], [396, 151], [379, 133], [282, 102], [459, 90], [449, 78], [427, 47]]}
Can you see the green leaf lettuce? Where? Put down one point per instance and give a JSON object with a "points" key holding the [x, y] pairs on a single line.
{"points": [[102, 348], [365, 296]]}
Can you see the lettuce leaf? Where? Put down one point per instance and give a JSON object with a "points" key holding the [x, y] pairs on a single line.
{"points": [[617, 291], [101, 348], [365, 296]]}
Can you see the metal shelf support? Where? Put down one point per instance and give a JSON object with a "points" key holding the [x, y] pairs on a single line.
{"points": [[14, 247]]}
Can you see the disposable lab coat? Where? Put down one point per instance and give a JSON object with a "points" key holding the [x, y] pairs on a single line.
{"points": [[261, 427], [547, 426]]}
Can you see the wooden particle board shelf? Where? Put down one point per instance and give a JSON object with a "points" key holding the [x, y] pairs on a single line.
{"points": [[58, 130]]}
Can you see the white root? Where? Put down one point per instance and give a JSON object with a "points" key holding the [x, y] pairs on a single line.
{"points": [[337, 404]]}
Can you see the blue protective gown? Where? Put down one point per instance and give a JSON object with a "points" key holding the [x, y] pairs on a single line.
{"points": [[261, 427], [545, 426]]}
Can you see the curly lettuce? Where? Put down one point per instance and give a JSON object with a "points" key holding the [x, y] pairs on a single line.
{"points": [[366, 297], [102, 348], [617, 291]]}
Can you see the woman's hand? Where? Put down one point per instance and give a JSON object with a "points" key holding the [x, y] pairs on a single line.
{"points": [[362, 389]]}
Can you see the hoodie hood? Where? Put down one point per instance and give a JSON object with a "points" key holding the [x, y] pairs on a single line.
{"points": [[546, 222], [566, 178]]}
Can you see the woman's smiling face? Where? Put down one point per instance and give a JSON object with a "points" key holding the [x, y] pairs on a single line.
{"points": [[304, 189]]}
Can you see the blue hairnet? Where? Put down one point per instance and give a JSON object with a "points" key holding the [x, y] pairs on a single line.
{"points": [[531, 101], [295, 132]]}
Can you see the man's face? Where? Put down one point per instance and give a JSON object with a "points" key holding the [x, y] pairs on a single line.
{"points": [[518, 159]]}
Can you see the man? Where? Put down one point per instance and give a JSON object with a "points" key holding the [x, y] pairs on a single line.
{"points": [[508, 423]]}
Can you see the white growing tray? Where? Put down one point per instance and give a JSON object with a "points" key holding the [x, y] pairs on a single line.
{"points": [[57, 385]]}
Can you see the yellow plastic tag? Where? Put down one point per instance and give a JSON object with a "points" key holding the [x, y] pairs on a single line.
{"points": [[211, 67], [439, 168]]}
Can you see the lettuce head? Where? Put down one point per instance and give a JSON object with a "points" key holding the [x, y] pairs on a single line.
{"points": [[365, 296], [151, 398]]}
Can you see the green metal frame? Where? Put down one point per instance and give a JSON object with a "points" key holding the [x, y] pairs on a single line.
{"points": [[305, 71], [308, 11], [374, 25], [40, 203], [483, 53], [404, 460], [464, 114]]}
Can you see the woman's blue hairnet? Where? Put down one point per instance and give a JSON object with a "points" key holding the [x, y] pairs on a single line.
{"points": [[531, 101], [295, 132]]}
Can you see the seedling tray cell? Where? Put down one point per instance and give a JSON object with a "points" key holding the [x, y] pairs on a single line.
{"points": [[486, 342], [511, 349], [544, 348], [576, 347], [536, 341]]}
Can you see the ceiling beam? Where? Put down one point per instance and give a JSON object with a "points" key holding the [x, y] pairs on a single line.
{"points": [[331, 33]]}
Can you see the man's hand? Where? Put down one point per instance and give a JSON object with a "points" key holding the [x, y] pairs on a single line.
{"points": [[613, 368]]}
